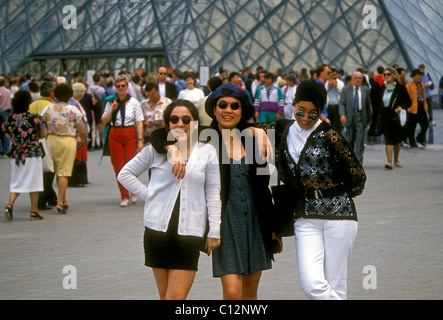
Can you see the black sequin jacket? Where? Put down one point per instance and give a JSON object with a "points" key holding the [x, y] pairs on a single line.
{"points": [[327, 176]]}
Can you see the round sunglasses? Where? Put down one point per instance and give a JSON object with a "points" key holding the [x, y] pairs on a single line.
{"points": [[185, 119], [301, 114], [234, 105]]}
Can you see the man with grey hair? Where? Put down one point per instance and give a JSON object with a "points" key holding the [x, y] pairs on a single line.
{"points": [[46, 97], [355, 110]]}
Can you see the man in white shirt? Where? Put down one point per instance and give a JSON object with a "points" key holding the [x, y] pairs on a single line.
{"points": [[356, 113], [153, 109], [289, 92], [166, 89], [334, 87]]}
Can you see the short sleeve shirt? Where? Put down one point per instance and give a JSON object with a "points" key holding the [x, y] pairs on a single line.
{"points": [[62, 119]]}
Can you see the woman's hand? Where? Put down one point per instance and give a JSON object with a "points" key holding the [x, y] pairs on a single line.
{"points": [[212, 244], [275, 237], [265, 148], [177, 161], [114, 105], [140, 145]]}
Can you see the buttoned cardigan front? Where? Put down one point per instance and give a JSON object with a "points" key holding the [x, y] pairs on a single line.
{"points": [[199, 190]]}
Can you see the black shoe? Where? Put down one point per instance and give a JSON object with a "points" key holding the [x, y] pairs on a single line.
{"points": [[60, 209], [36, 216], [8, 212]]}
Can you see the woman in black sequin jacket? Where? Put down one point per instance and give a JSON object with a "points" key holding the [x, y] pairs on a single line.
{"points": [[322, 175]]}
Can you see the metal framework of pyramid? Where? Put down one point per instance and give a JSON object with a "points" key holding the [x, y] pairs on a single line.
{"points": [[186, 34]]}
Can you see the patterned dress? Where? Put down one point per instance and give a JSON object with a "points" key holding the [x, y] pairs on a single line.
{"points": [[242, 249], [23, 129]]}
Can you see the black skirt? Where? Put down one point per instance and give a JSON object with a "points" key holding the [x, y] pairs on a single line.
{"points": [[393, 131], [169, 250]]}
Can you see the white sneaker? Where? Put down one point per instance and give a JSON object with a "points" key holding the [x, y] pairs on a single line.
{"points": [[133, 198], [124, 203]]}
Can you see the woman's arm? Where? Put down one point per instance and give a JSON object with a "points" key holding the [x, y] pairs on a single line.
{"points": [[42, 133], [128, 176], [140, 144], [107, 114], [347, 167], [162, 145], [82, 131], [213, 201]]}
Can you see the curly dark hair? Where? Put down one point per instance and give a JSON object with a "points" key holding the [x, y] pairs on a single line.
{"points": [[63, 92], [21, 101]]}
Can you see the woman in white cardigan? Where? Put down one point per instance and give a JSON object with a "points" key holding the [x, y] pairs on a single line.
{"points": [[177, 212]]}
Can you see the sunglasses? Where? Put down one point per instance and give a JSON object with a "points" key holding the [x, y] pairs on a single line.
{"points": [[185, 119], [387, 74], [234, 105], [162, 73], [120, 86], [301, 114]]}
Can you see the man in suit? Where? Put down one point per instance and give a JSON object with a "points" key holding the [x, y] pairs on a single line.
{"points": [[167, 89], [356, 113]]}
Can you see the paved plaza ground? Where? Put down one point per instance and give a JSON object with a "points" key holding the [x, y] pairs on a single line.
{"points": [[398, 244]]}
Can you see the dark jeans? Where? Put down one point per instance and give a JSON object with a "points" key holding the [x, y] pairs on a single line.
{"points": [[430, 110], [420, 118]]}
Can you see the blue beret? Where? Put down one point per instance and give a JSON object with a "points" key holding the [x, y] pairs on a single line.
{"points": [[230, 90]]}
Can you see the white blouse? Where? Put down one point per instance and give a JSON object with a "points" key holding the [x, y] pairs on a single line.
{"points": [[199, 190], [193, 95], [297, 138], [133, 113]]}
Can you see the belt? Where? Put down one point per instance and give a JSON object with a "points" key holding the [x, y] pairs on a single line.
{"points": [[122, 126], [316, 194]]}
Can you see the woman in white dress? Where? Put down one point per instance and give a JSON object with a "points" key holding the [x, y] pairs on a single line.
{"points": [[24, 129]]}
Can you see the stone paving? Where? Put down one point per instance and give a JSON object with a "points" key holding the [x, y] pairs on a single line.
{"points": [[398, 244]]}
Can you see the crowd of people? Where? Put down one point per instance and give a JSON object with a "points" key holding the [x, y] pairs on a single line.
{"points": [[209, 200]]}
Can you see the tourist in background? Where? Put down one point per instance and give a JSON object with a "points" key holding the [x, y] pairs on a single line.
{"points": [[394, 98], [64, 121], [125, 116], [24, 129]]}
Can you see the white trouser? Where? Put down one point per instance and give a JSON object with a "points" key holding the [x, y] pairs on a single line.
{"points": [[324, 250]]}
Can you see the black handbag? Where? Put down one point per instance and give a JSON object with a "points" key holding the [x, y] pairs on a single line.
{"points": [[284, 210], [285, 202], [79, 176]]}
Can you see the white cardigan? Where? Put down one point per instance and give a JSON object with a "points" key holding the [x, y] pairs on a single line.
{"points": [[199, 190]]}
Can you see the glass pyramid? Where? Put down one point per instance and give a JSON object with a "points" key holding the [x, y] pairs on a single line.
{"points": [[38, 36]]}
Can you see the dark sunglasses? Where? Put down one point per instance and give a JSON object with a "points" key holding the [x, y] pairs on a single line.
{"points": [[185, 119], [234, 105], [301, 114], [387, 74], [120, 86], [162, 73]]}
